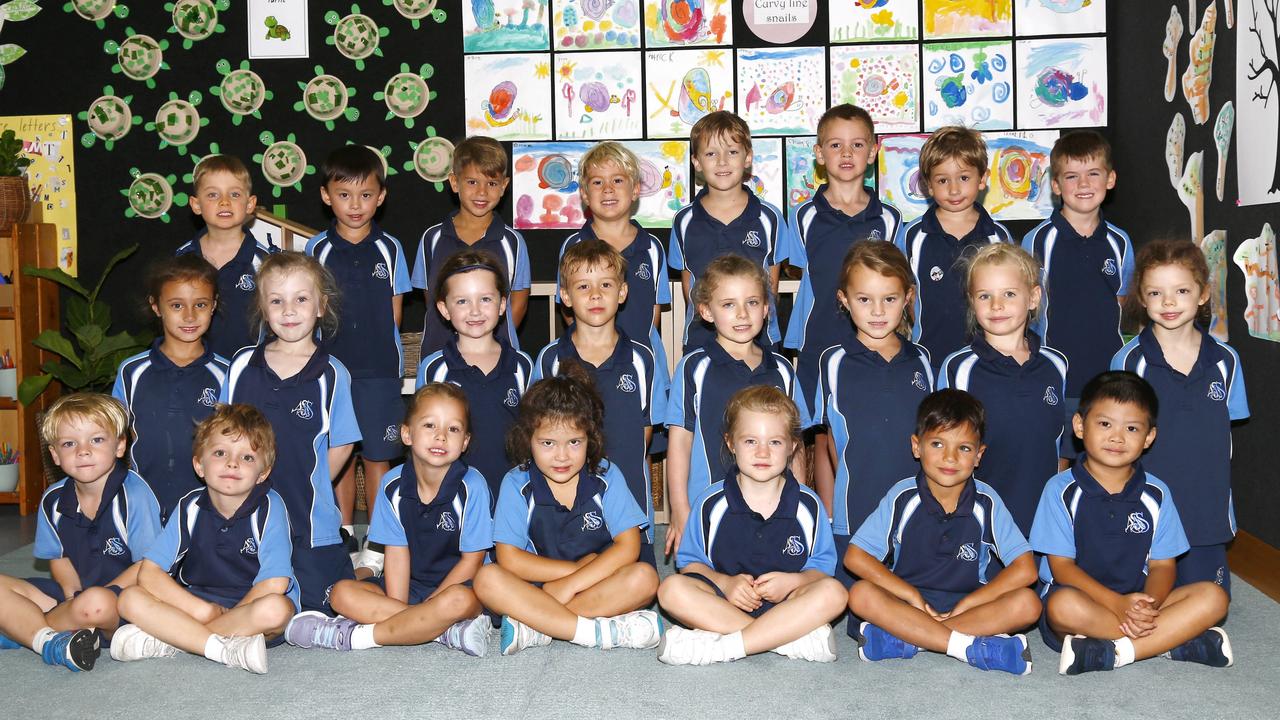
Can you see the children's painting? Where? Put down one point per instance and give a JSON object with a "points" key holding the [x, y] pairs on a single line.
{"points": [[508, 97], [504, 26], [1061, 17], [1062, 83], [766, 171], [803, 176], [545, 183], [858, 21], [967, 18], [669, 23], [900, 182], [596, 24], [782, 91], [1256, 258], [1214, 247], [883, 80], [1257, 104], [970, 84], [597, 96], [683, 85]]}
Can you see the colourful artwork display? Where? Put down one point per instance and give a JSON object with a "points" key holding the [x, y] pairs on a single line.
{"points": [[669, 23], [899, 170], [1256, 258], [766, 179], [595, 24], [683, 85], [968, 83], [1214, 247], [597, 96], [782, 91], [882, 79], [1199, 74], [49, 142], [803, 176], [508, 97], [1060, 17], [504, 26], [967, 18], [858, 21], [1062, 83]]}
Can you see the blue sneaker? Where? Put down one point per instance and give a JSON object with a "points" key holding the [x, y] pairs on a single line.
{"points": [[517, 636], [7, 644], [1082, 654], [76, 650], [875, 643], [1211, 647], [1000, 652], [310, 629]]}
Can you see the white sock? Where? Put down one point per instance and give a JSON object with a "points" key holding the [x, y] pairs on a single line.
{"points": [[351, 529], [362, 637], [1124, 651], [43, 635], [734, 648], [585, 635], [214, 648], [958, 644]]}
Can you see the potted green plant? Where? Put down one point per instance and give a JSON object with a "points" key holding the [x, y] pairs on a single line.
{"points": [[89, 355], [15, 195]]}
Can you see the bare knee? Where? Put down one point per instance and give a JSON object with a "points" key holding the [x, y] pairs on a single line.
{"points": [[1024, 606], [344, 593], [1069, 608], [1212, 598], [273, 612], [830, 593], [93, 607], [458, 601], [641, 579], [863, 595], [488, 580]]}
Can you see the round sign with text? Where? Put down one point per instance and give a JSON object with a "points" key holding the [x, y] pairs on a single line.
{"points": [[779, 21]]}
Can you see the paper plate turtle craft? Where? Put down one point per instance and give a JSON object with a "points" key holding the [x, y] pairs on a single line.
{"points": [[151, 195], [109, 119], [384, 154], [326, 98], [406, 93], [14, 11], [178, 122], [190, 177], [356, 36], [432, 159], [139, 57], [97, 11], [283, 163], [196, 20], [417, 10], [241, 91]]}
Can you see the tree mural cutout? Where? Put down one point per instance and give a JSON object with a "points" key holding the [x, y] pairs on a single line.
{"points": [[1266, 69]]}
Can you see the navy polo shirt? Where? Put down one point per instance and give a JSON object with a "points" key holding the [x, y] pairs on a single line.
{"points": [[530, 518], [941, 296], [633, 386], [370, 274], [99, 547], [647, 284], [933, 549], [1111, 537], [760, 234], [1192, 451], [165, 401], [726, 535], [704, 381], [870, 404], [237, 284], [438, 243], [221, 558], [310, 413], [822, 236], [1026, 417], [436, 532], [493, 401], [1082, 277]]}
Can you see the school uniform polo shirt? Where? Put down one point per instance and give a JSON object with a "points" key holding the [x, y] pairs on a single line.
{"points": [[726, 535], [937, 550], [370, 274], [438, 243], [941, 296], [822, 236], [99, 547], [1026, 417], [704, 381], [760, 234], [1192, 451], [220, 558], [310, 413], [1082, 277], [633, 386], [870, 405], [438, 531], [531, 519], [493, 401], [165, 401], [237, 283], [1110, 537]]}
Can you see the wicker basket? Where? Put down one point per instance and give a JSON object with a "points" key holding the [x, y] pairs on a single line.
{"points": [[411, 342], [15, 202]]}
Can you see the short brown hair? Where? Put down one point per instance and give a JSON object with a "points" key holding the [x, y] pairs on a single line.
{"points": [[434, 391], [237, 421], [726, 266], [592, 253], [465, 261], [949, 408], [717, 124], [883, 258], [845, 111], [569, 398], [1079, 145], [100, 409], [605, 152], [484, 153], [1182, 253], [953, 142], [187, 267], [222, 163]]}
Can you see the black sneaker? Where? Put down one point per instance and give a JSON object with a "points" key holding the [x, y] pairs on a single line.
{"points": [[1082, 654], [349, 541], [1211, 647]]}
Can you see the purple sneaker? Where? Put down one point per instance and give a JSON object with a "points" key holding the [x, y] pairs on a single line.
{"points": [[310, 629]]}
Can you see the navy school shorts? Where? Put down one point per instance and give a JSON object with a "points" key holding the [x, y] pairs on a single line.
{"points": [[54, 590], [318, 570], [1204, 563], [379, 408]]}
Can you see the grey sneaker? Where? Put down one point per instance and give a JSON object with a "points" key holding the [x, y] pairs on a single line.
{"points": [[469, 636], [247, 652], [133, 643], [312, 628]]}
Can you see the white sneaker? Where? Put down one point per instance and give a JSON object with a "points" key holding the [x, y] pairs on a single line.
{"points": [[640, 630], [679, 646], [469, 636], [247, 652], [517, 636], [133, 643], [369, 558], [818, 645]]}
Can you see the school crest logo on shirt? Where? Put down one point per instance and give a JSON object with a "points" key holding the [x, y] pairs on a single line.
{"points": [[917, 381], [250, 547], [1217, 393], [392, 434], [208, 397], [1050, 396], [967, 553], [380, 271], [1138, 524], [793, 547], [875, 235], [643, 272], [304, 410], [626, 383], [935, 273], [512, 399], [591, 521], [752, 239], [447, 522], [246, 283], [1109, 266], [114, 547]]}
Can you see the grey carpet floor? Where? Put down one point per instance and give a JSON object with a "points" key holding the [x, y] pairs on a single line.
{"points": [[568, 681]]}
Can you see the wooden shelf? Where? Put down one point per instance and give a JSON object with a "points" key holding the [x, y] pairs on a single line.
{"points": [[6, 313], [8, 403], [8, 498]]}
